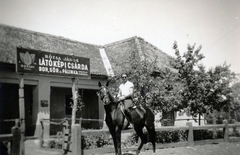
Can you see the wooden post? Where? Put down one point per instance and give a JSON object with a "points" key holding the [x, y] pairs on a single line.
{"points": [[22, 112], [190, 134], [41, 133], [214, 118], [234, 128], [16, 141], [66, 138], [199, 119], [226, 131], [17, 122], [76, 139], [80, 137], [74, 96]]}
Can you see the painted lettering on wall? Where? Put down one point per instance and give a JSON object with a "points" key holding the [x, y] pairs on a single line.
{"points": [[32, 61]]}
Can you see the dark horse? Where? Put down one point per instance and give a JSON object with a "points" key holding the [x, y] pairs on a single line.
{"points": [[140, 117]]}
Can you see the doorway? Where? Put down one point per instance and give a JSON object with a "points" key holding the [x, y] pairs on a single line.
{"points": [[61, 107], [9, 107]]}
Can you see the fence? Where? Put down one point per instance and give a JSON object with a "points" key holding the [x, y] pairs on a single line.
{"points": [[70, 143], [190, 142], [63, 122], [15, 137], [77, 133]]}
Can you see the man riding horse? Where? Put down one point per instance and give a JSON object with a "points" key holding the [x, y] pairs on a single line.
{"points": [[125, 94], [141, 116]]}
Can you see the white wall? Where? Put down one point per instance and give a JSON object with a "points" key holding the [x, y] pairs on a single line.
{"points": [[183, 119]]}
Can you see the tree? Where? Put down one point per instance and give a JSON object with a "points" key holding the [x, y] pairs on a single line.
{"points": [[187, 87], [151, 82], [140, 72], [165, 95], [203, 91], [193, 77], [221, 97], [236, 95], [236, 92]]}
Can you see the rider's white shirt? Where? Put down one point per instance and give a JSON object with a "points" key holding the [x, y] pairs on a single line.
{"points": [[125, 88]]}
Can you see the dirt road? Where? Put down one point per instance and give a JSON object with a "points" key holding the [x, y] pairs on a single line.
{"points": [[31, 148]]}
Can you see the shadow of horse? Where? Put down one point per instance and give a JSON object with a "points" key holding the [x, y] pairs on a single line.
{"points": [[140, 117]]}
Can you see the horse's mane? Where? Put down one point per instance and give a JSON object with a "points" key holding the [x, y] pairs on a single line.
{"points": [[112, 98]]}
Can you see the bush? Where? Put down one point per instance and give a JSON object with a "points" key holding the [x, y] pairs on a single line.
{"points": [[170, 136], [98, 141], [207, 134], [179, 136], [161, 137], [91, 141], [54, 144], [131, 140], [202, 134]]}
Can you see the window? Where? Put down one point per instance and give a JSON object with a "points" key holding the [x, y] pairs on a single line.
{"points": [[168, 118]]}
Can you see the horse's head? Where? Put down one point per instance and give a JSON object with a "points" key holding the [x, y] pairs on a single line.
{"points": [[104, 93]]}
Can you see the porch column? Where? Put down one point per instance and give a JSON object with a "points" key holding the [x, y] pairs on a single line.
{"points": [[22, 113], [43, 95]]}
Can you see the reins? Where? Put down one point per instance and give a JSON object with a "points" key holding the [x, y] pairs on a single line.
{"points": [[109, 94]]}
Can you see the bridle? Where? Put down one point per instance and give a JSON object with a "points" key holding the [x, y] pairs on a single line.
{"points": [[103, 93]]}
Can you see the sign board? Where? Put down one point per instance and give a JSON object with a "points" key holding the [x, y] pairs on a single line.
{"points": [[44, 103], [39, 62]]}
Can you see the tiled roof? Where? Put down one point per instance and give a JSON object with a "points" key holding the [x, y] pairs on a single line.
{"points": [[151, 52], [11, 38], [119, 51]]}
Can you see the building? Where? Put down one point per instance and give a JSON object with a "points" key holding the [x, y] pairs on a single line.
{"points": [[48, 96]]}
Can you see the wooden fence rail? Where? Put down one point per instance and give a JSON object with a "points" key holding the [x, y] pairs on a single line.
{"points": [[14, 138], [77, 132], [49, 121]]}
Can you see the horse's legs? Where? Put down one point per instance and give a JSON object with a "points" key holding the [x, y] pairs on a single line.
{"points": [[118, 140], [113, 134], [151, 131], [141, 135]]}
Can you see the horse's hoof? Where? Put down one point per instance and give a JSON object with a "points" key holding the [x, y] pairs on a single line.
{"points": [[137, 152]]}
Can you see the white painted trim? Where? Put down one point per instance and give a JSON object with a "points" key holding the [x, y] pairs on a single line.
{"points": [[106, 62]]}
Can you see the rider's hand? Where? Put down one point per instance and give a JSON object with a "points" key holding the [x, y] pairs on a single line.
{"points": [[121, 98]]}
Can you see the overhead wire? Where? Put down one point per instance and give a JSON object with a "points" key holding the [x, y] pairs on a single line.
{"points": [[228, 32]]}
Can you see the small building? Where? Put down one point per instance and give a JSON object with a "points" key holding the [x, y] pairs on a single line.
{"points": [[182, 119], [49, 96]]}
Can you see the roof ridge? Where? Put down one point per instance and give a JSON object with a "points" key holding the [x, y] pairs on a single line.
{"points": [[155, 47], [120, 41], [46, 34], [142, 54], [75, 41]]}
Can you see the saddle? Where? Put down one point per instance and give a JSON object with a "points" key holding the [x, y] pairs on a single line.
{"points": [[127, 112]]}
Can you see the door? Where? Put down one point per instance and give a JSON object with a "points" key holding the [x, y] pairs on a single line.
{"points": [[9, 107]]}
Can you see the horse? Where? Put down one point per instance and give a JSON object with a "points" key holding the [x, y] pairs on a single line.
{"points": [[140, 117]]}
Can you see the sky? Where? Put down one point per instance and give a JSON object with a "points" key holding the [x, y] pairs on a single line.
{"points": [[214, 24]]}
